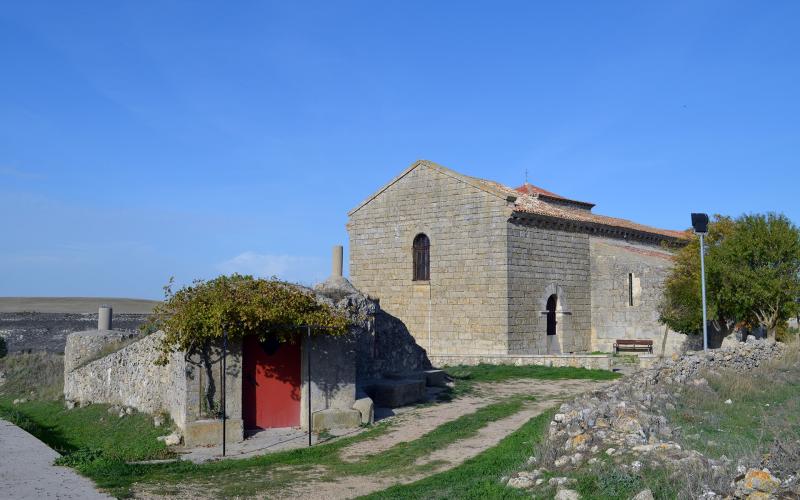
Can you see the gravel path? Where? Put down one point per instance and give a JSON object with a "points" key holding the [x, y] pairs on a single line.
{"points": [[27, 470]]}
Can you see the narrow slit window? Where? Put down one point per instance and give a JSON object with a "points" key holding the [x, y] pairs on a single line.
{"points": [[422, 258], [630, 289]]}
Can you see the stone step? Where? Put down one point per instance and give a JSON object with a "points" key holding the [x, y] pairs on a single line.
{"points": [[394, 393]]}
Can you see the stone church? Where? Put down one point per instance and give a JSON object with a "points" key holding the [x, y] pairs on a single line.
{"points": [[475, 268]]}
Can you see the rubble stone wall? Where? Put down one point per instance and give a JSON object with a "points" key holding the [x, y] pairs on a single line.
{"points": [[129, 377]]}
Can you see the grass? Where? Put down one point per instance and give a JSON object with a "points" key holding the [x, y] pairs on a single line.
{"points": [[479, 477], [88, 430], [101, 445], [260, 475], [37, 375], [761, 422], [466, 377]]}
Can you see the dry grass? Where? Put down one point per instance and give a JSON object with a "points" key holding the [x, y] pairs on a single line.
{"points": [[760, 425], [38, 375]]}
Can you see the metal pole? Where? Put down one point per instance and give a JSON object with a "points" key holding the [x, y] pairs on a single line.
{"points": [[308, 379], [430, 308], [224, 372], [703, 285]]}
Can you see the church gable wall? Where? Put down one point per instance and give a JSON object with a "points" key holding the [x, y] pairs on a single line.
{"points": [[463, 308]]}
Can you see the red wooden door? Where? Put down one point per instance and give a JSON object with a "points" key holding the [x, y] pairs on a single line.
{"points": [[270, 384]]}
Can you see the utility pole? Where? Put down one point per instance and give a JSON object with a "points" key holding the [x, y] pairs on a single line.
{"points": [[700, 225]]}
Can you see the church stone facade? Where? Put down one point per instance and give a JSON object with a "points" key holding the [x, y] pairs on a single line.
{"points": [[511, 271]]}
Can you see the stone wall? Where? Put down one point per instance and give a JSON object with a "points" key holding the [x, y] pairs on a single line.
{"points": [[544, 262], [129, 377], [612, 263], [84, 347], [333, 374], [462, 309], [591, 361]]}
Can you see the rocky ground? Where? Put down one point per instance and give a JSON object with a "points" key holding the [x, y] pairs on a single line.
{"points": [[625, 426], [36, 331]]}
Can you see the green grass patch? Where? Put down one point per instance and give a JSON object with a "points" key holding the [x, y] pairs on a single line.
{"points": [[609, 482], [89, 431], [260, 475], [466, 377], [479, 477], [404, 455]]}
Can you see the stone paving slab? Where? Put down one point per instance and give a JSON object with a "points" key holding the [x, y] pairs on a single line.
{"points": [[27, 470]]}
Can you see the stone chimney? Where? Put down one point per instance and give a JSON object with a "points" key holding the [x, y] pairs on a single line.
{"points": [[338, 253], [104, 317]]}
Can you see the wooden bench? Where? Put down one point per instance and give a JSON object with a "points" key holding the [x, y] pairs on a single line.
{"points": [[633, 345]]}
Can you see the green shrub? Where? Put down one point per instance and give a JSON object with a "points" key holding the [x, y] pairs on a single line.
{"points": [[242, 306], [3, 347]]}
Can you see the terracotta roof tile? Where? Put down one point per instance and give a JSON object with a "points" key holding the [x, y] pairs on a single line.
{"points": [[526, 203]]}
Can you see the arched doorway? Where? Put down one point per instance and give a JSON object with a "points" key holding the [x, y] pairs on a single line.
{"points": [[553, 346]]}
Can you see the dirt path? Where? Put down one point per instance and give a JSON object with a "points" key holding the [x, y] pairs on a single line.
{"points": [[409, 426], [415, 423], [419, 421]]}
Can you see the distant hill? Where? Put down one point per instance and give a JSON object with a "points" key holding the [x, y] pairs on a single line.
{"points": [[75, 305]]}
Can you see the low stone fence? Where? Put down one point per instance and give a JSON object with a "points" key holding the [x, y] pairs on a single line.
{"points": [[591, 361], [627, 418], [128, 377]]}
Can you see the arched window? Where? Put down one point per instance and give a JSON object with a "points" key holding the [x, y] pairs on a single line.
{"points": [[422, 258]]}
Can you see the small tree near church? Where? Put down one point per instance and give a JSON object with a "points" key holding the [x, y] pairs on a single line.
{"points": [[752, 276]]}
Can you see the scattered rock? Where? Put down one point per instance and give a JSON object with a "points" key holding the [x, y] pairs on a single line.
{"points": [[561, 461], [644, 495], [628, 417], [520, 482], [756, 484], [173, 439], [560, 481], [728, 402], [158, 420], [69, 404], [566, 494], [20, 401]]}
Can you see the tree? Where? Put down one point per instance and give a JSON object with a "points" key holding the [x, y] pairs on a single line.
{"points": [[196, 315], [752, 276], [681, 308], [762, 264]]}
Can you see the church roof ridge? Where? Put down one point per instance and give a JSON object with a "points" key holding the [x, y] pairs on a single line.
{"points": [[536, 204]]}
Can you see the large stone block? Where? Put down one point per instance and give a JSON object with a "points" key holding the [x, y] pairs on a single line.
{"points": [[333, 418], [209, 432], [436, 378], [395, 393], [366, 408]]}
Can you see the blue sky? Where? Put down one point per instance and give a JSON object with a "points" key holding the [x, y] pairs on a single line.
{"points": [[142, 140]]}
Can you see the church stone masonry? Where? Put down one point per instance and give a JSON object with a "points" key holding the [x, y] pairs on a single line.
{"points": [[511, 271]]}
